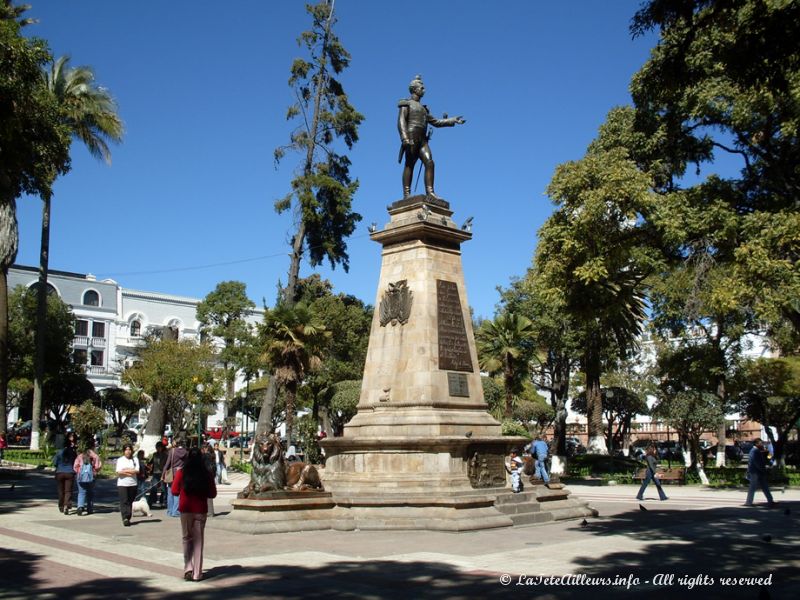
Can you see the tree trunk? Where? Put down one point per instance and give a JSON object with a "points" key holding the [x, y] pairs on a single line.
{"points": [[594, 402], [9, 242], [695, 444], [264, 424], [558, 399], [508, 384], [230, 394], [721, 431], [4, 375], [154, 429], [41, 325], [291, 395], [289, 292]]}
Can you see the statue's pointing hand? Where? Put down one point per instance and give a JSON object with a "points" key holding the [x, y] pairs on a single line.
{"points": [[460, 120]]}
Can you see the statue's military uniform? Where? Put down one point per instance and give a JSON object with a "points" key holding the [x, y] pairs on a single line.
{"points": [[414, 126], [412, 123]]}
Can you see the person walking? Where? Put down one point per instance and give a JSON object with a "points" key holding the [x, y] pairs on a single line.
{"points": [[757, 473], [193, 486], [219, 458], [651, 474], [173, 464], [64, 462], [127, 473], [158, 492], [86, 468], [539, 452]]}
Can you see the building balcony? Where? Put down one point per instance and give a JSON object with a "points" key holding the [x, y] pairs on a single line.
{"points": [[95, 370], [81, 340], [98, 342]]}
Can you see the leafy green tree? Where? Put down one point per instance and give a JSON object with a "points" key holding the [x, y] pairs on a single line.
{"points": [[61, 395], [344, 396], [121, 405], [168, 372], [34, 148], [90, 114], [772, 397], [620, 406], [722, 81], [322, 192], [556, 342], [504, 346], [222, 314], [87, 420], [22, 347], [293, 338], [594, 256], [348, 320], [687, 391]]}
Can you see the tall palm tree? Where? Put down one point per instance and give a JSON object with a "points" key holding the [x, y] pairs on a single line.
{"points": [[504, 346], [294, 339], [90, 113]]}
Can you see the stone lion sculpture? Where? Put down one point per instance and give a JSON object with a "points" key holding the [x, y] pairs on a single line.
{"points": [[271, 472]]}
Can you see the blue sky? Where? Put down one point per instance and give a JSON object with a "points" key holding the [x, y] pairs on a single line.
{"points": [[202, 89]]}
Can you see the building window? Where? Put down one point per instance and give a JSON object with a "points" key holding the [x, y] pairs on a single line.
{"points": [[98, 329], [79, 357], [136, 328], [97, 358], [81, 327], [91, 298]]}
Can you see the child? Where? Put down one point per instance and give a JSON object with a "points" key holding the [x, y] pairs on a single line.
{"points": [[514, 467]]}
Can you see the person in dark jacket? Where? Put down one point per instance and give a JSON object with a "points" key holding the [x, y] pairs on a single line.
{"points": [[64, 462], [174, 462], [651, 474], [757, 473]]}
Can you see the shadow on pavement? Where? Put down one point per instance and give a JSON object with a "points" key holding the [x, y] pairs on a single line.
{"points": [[719, 543]]}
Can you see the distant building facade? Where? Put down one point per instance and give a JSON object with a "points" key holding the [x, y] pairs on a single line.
{"points": [[111, 321]]}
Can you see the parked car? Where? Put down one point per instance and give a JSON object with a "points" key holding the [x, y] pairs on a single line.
{"points": [[237, 441], [670, 450], [216, 433], [732, 452], [574, 447], [638, 448]]}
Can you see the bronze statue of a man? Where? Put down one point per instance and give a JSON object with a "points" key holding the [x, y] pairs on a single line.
{"points": [[413, 124]]}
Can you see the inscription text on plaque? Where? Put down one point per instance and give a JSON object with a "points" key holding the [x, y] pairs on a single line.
{"points": [[457, 385], [453, 344]]}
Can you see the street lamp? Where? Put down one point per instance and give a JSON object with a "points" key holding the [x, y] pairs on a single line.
{"points": [[200, 389]]}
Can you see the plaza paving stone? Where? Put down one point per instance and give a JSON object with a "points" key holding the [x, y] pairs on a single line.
{"points": [[697, 533]]}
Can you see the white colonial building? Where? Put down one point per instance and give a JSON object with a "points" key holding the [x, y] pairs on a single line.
{"points": [[111, 321]]}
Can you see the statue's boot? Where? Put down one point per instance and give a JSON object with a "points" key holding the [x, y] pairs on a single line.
{"points": [[406, 191], [431, 194]]}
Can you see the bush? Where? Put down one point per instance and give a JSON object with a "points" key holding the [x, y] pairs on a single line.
{"points": [[514, 428], [29, 457], [599, 465]]}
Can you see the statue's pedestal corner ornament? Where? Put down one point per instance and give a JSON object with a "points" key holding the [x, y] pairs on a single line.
{"points": [[384, 397], [395, 306]]}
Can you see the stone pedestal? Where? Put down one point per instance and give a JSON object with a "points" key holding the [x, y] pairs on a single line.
{"points": [[422, 452]]}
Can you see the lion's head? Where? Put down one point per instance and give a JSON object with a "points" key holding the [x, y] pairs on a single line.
{"points": [[267, 448]]}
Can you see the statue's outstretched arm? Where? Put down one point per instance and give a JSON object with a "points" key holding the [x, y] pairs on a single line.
{"points": [[445, 121]]}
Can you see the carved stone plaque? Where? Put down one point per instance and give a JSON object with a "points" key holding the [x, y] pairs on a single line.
{"points": [[485, 470], [457, 384], [395, 306], [453, 344]]}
